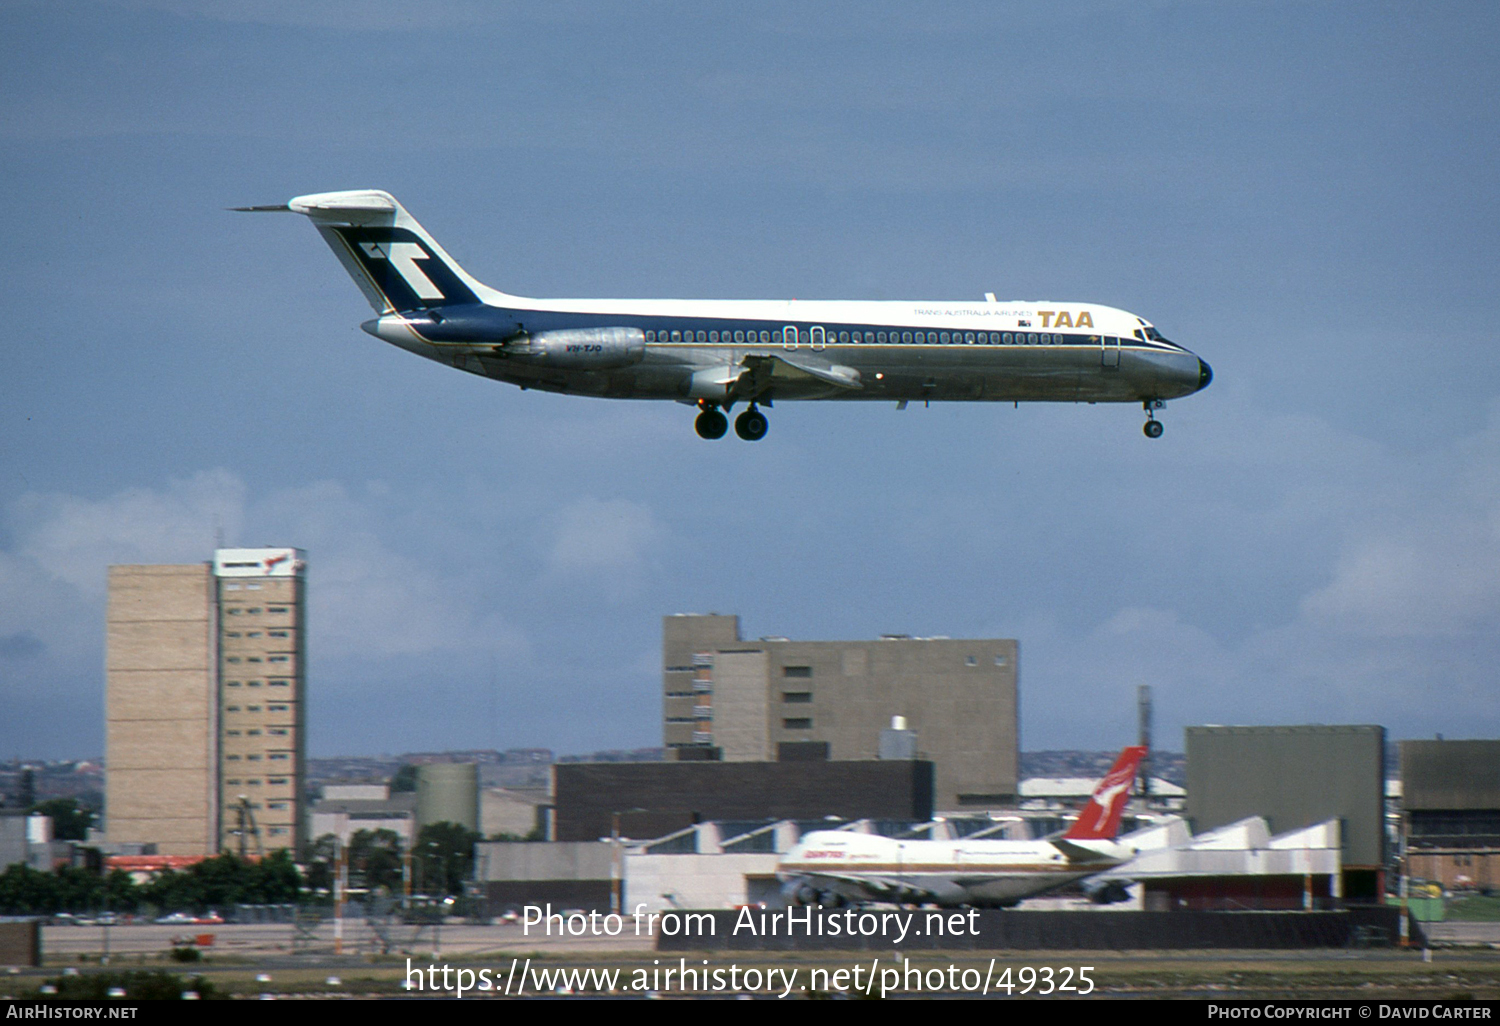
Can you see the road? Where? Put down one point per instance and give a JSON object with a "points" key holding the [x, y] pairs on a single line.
{"points": [[260, 939]]}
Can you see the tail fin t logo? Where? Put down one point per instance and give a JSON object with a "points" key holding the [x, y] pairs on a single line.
{"points": [[403, 256]]}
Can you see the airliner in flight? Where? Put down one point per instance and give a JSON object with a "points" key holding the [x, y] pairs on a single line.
{"points": [[833, 867], [715, 354]]}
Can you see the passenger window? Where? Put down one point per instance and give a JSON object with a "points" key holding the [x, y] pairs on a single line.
{"points": [[843, 336], [969, 337], [943, 337], [906, 336], [765, 336], [880, 337], [676, 336], [869, 336], [713, 336], [1031, 338]]}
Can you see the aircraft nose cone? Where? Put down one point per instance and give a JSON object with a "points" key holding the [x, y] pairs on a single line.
{"points": [[1205, 373]]}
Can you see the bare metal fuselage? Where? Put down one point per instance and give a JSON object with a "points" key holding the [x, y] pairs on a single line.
{"points": [[956, 365]]}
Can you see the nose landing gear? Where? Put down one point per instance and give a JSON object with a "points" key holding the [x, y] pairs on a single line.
{"points": [[1153, 427]]}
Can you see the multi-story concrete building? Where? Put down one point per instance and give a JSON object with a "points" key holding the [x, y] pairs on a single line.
{"points": [[776, 699], [204, 700], [161, 708], [262, 679]]}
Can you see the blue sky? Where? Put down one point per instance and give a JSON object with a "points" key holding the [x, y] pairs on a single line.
{"points": [[1304, 194]]}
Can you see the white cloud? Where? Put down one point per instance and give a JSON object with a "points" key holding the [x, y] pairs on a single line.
{"points": [[74, 539], [608, 541]]}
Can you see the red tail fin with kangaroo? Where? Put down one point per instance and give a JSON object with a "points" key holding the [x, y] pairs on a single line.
{"points": [[1100, 818]]}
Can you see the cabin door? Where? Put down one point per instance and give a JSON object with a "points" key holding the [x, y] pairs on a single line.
{"points": [[1110, 347]]}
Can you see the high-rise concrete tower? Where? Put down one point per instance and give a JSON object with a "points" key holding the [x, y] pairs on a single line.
{"points": [[205, 692]]}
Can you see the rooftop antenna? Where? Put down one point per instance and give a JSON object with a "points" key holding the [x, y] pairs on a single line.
{"points": [[1143, 703]]}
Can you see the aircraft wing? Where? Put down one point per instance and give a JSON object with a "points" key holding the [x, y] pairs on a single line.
{"points": [[762, 372], [879, 888]]}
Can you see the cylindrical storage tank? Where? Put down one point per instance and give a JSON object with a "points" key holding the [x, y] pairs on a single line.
{"points": [[448, 793]]}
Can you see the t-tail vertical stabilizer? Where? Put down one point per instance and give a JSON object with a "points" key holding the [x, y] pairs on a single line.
{"points": [[395, 263]]}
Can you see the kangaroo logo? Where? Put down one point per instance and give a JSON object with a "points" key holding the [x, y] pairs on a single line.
{"points": [[407, 270], [403, 257]]}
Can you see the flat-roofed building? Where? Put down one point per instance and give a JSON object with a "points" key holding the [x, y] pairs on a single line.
{"points": [[775, 699], [261, 605], [1295, 777], [1450, 794], [204, 703], [161, 710]]}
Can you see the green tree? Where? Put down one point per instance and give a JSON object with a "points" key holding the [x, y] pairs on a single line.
{"points": [[25, 891], [275, 880], [69, 821], [446, 851], [405, 778], [121, 894], [375, 858], [169, 891], [319, 858]]}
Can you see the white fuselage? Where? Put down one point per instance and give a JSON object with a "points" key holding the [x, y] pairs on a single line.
{"points": [[854, 867], [694, 349]]}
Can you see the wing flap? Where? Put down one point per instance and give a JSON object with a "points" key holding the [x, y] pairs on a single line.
{"points": [[763, 372]]}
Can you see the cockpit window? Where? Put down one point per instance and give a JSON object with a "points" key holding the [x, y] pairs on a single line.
{"points": [[1156, 336]]}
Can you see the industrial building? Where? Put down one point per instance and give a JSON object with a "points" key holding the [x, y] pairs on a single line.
{"points": [[774, 700], [205, 723], [1296, 777], [646, 799], [1451, 797], [346, 809], [728, 863]]}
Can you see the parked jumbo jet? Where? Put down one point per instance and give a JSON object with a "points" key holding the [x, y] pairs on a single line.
{"points": [[716, 353], [834, 867]]}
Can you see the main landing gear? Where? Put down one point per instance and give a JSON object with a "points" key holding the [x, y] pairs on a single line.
{"points": [[711, 423], [1153, 427], [750, 425]]}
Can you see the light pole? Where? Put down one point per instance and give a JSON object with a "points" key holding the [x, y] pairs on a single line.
{"points": [[617, 863]]}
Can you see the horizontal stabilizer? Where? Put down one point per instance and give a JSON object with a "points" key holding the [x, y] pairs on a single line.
{"points": [[1077, 852]]}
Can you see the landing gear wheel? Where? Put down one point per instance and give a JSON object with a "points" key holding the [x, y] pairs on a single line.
{"points": [[751, 425], [1152, 428], [711, 424]]}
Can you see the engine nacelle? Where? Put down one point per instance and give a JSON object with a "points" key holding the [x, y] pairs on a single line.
{"points": [[1107, 892], [580, 348]]}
